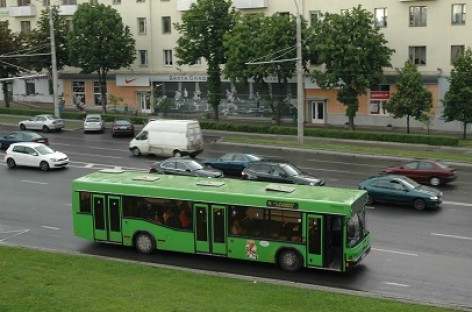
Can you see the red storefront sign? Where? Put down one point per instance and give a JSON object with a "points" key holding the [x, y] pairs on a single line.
{"points": [[379, 95]]}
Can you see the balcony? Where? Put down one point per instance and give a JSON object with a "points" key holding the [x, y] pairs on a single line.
{"points": [[22, 11], [67, 10], [184, 5]]}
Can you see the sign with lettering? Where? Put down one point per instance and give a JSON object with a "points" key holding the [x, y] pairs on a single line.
{"points": [[281, 204]]}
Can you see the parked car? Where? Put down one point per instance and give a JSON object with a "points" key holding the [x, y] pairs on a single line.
{"points": [[94, 122], [34, 154], [122, 127], [21, 136], [425, 171], [185, 166], [281, 172], [232, 163], [43, 122], [400, 190]]}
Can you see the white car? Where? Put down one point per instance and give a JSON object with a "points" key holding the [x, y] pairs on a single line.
{"points": [[44, 122], [32, 154], [94, 122]]}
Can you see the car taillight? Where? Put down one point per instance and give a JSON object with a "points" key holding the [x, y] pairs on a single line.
{"points": [[243, 176]]}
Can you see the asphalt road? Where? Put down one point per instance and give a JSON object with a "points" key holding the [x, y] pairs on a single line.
{"points": [[424, 256]]}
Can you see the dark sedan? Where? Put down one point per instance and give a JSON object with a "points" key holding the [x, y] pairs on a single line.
{"points": [[279, 172], [232, 163], [425, 171], [400, 190], [122, 127], [21, 136], [184, 166]]}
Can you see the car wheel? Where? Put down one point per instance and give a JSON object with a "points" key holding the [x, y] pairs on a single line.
{"points": [[144, 243], [45, 129], [434, 181], [22, 127], [11, 163], [177, 154], [370, 199], [289, 260], [419, 204], [44, 166], [136, 151]]}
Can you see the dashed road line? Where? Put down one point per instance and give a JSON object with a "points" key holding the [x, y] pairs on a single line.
{"points": [[396, 252], [452, 236]]}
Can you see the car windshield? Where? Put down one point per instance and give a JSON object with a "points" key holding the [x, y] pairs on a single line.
{"points": [[93, 119], [50, 117], [409, 183], [193, 165], [442, 165], [44, 150], [291, 171], [254, 157], [122, 122]]}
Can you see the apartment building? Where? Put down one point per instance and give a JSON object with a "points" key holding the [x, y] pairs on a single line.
{"points": [[429, 32]]}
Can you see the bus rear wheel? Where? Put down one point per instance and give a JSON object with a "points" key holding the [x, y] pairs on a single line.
{"points": [[144, 243], [289, 260]]}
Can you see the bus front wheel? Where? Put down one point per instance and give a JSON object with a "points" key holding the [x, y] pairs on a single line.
{"points": [[144, 243], [289, 260]]}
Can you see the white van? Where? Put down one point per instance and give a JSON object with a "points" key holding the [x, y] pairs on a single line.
{"points": [[168, 138]]}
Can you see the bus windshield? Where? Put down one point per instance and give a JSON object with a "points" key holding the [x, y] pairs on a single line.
{"points": [[356, 229]]}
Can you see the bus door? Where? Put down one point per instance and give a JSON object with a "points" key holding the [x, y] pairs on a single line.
{"points": [[107, 218], [315, 240], [210, 229]]}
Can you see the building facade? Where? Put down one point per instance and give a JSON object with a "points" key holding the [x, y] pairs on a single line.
{"points": [[429, 32]]}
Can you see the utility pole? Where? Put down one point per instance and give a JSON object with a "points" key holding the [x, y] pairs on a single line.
{"points": [[300, 91], [53, 64]]}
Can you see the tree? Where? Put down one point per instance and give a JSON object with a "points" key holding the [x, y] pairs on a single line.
{"points": [[411, 99], [38, 41], [202, 29], [100, 42], [268, 44], [8, 66], [353, 52], [458, 100]]}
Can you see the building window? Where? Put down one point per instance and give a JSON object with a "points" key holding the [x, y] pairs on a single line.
{"points": [[78, 92], [68, 24], [418, 15], [380, 17], [97, 95], [168, 57], [166, 25], [116, 1], [141, 25], [417, 55], [25, 26], [24, 2], [379, 96], [3, 3], [140, 1], [143, 57], [198, 62], [315, 16], [458, 14], [46, 3], [94, 2], [284, 14], [30, 88], [69, 2], [456, 52]]}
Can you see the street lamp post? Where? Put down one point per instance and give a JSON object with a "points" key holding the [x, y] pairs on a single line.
{"points": [[54, 65], [300, 91]]}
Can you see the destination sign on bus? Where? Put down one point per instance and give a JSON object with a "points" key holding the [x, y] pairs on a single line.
{"points": [[282, 204]]}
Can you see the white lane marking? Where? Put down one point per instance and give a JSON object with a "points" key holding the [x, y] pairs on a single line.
{"points": [[452, 236], [95, 155], [457, 203], [396, 252], [17, 232], [89, 165], [328, 170], [370, 207], [50, 227], [344, 163], [397, 284], [117, 168], [35, 182]]}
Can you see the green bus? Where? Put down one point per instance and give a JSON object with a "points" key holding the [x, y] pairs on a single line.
{"points": [[293, 226]]}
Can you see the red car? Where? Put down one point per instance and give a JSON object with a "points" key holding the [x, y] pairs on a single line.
{"points": [[425, 171]]}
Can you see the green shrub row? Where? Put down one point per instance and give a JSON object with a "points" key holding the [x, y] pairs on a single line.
{"points": [[271, 129]]}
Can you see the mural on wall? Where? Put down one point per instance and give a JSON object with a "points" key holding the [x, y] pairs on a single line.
{"points": [[250, 100]]}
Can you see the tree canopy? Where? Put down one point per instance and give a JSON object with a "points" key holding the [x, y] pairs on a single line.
{"points": [[458, 100], [100, 42], [412, 98], [202, 29], [353, 53], [8, 66]]}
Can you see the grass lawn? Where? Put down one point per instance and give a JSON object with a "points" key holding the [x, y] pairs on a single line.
{"points": [[34, 280]]}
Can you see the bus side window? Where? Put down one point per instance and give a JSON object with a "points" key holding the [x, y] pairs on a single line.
{"points": [[85, 202]]}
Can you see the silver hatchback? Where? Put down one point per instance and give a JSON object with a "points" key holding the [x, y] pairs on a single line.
{"points": [[94, 123]]}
